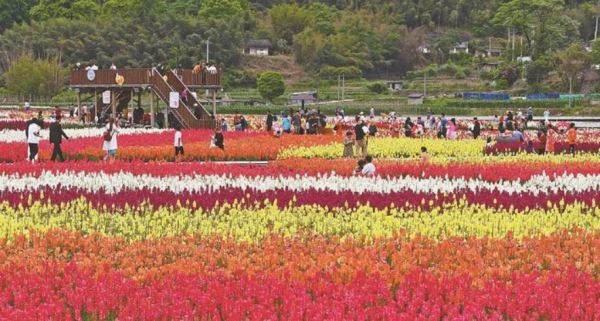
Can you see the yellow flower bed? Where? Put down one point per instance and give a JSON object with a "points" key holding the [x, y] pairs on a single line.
{"points": [[394, 148], [253, 223]]}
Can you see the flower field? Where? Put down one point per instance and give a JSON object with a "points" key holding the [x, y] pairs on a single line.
{"points": [[156, 145], [467, 236]]}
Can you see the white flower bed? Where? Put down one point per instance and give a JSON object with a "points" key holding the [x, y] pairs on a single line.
{"points": [[113, 183], [11, 136]]}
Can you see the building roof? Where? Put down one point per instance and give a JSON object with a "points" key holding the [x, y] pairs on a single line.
{"points": [[462, 45], [310, 95], [415, 96], [259, 43], [394, 82]]}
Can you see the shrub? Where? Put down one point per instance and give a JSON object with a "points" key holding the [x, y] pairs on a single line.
{"points": [[378, 88]]}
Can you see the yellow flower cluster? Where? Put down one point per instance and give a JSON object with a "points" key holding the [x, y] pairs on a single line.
{"points": [[255, 222], [394, 148]]}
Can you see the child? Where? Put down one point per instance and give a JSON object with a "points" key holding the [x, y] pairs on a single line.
{"points": [[529, 147], [542, 139], [489, 143], [572, 138], [178, 143], [349, 145], [359, 167], [424, 155], [219, 139]]}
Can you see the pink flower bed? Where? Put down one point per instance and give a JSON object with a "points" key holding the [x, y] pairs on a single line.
{"points": [[69, 293]]}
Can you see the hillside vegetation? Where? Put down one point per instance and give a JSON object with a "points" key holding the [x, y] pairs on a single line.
{"points": [[357, 38]]}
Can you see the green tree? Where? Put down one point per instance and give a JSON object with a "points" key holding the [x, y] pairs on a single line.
{"points": [[33, 78], [288, 20], [135, 8], [270, 85], [13, 11], [223, 8], [46, 9], [596, 52], [509, 72], [571, 63], [538, 70], [542, 23]]}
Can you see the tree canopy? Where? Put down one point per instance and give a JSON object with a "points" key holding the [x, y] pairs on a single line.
{"points": [[327, 37], [270, 85]]}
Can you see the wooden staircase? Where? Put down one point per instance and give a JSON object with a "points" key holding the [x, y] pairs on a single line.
{"points": [[185, 113]]}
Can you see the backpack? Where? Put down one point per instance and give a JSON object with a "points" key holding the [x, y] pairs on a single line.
{"points": [[107, 136]]}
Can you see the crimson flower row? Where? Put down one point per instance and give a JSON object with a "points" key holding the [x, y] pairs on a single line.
{"points": [[283, 198], [74, 293]]}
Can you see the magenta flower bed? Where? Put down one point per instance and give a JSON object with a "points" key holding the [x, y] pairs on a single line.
{"points": [[71, 294], [207, 200]]}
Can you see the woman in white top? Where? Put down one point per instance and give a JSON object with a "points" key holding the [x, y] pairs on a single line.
{"points": [[369, 168], [110, 140], [33, 139], [178, 143]]}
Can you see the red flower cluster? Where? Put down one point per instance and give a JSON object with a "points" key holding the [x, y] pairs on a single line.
{"points": [[74, 294]]}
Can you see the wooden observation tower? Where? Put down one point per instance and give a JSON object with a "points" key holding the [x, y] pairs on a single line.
{"points": [[112, 91]]}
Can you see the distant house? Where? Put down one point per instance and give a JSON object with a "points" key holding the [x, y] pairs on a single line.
{"points": [[258, 47], [424, 49], [303, 98], [395, 85], [489, 66], [494, 52], [415, 99], [524, 59], [462, 47]]}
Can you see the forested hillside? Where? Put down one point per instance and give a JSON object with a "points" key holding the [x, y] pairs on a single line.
{"points": [[361, 38]]}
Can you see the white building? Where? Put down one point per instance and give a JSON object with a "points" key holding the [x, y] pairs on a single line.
{"points": [[259, 47]]}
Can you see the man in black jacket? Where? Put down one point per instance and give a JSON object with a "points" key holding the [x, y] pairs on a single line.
{"points": [[56, 135], [270, 120], [476, 128]]}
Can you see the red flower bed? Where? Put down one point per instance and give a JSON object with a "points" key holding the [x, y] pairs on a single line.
{"points": [[73, 293]]}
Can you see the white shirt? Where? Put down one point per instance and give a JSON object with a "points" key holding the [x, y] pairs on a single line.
{"points": [[33, 134], [112, 144], [178, 142], [368, 169]]}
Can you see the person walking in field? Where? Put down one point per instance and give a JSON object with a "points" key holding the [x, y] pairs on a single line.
{"points": [[33, 140], [110, 144], [56, 135], [219, 140], [550, 139], [269, 121], [572, 138], [178, 143]]}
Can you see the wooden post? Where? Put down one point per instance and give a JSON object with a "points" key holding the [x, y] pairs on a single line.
{"points": [[139, 104], [152, 109], [114, 104], [214, 98], [79, 100], [130, 107], [95, 104], [166, 113]]}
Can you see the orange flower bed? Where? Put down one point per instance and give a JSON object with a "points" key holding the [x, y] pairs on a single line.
{"points": [[259, 147], [300, 259]]}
